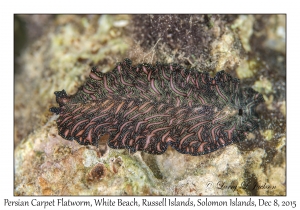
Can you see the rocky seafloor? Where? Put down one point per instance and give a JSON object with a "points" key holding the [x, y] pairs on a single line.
{"points": [[59, 56]]}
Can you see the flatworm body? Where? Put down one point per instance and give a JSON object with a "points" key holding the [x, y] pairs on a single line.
{"points": [[149, 107]]}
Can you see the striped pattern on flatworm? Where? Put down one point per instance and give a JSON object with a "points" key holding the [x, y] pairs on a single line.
{"points": [[150, 107]]}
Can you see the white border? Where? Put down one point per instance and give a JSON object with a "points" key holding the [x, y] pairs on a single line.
{"points": [[8, 9]]}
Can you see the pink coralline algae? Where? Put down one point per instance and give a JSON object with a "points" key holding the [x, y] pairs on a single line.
{"points": [[149, 107]]}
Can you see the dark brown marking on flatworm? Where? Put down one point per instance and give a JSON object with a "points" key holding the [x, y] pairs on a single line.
{"points": [[149, 107]]}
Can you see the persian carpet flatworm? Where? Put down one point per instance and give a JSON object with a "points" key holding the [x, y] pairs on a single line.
{"points": [[149, 107]]}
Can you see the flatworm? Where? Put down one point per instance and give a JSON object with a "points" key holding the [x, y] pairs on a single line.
{"points": [[148, 107]]}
